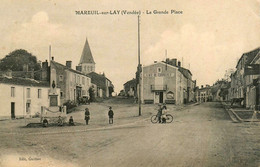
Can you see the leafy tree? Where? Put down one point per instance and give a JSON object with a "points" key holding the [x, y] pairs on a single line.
{"points": [[17, 59], [91, 92]]}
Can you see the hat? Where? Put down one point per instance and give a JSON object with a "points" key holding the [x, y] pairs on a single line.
{"points": [[110, 107]]}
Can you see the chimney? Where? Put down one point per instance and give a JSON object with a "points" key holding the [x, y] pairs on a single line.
{"points": [[179, 64], [173, 62], [167, 60], [79, 68], [45, 65], [68, 64]]}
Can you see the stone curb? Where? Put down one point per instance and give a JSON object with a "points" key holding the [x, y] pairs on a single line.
{"points": [[231, 114]]}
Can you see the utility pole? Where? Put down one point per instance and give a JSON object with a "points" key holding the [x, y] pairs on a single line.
{"points": [[50, 53], [139, 68]]}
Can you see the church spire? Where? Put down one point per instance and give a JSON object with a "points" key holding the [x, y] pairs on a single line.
{"points": [[86, 56]]}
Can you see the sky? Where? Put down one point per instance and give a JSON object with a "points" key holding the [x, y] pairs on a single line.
{"points": [[208, 37]]}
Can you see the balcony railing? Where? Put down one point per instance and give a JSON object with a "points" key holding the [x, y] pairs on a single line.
{"points": [[158, 87]]}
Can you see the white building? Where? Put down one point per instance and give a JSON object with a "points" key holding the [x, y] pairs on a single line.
{"points": [[23, 97], [163, 82]]}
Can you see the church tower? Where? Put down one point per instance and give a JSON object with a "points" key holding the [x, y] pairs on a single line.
{"points": [[86, 62]]}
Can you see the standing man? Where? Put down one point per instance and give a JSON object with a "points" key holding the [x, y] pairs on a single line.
{"points": [[159, 113], [87, 115], [110, 115]]}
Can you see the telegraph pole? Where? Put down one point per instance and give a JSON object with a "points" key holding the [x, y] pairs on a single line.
{"points": [[139, 69]]}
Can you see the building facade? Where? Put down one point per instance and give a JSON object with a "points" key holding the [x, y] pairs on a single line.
{"points": [[168, 82], [245, 80], [130, 88], [203, 94], [103, 86], [73, 84], [23, 97]]}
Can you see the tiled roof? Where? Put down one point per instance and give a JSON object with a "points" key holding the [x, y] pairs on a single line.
{"points": [[23, 82], [58, 65], [184, 71], [132, 81], [86, 56], [250, 56], [98, 79]]}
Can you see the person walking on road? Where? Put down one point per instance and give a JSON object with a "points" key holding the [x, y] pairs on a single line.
{"points": [[110, 115], [87, 115]]}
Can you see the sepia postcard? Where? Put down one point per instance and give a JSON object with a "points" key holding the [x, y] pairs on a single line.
{"points": [[130, 83]]}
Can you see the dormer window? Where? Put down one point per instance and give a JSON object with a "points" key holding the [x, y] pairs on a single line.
{"points": [[159, 69]]}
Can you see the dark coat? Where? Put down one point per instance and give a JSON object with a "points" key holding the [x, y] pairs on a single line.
{"points": [[87, 115], [110, 113]]}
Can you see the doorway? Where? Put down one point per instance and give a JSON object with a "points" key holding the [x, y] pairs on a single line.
{"points": [[12, 110], [28, 108], [160, 97]]}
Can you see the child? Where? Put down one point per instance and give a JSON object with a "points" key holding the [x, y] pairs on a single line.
{"points": [[71, 122], [110, 115]]}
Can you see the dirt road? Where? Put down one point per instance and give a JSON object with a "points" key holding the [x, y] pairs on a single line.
{"points": [[201, 135]]}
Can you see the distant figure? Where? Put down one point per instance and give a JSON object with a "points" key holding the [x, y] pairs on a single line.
{"points": [[60, 121], [44, 122], [110, 115], [87, 115], [71, 122]]}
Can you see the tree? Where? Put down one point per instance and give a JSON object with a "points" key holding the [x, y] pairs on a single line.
{"points": [[17, 59], [91, 92]]}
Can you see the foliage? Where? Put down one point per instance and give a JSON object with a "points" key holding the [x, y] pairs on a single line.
{"points": [[70, 104], [17, 59], [91, 92]]}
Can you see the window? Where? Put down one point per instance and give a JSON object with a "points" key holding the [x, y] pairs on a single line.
{"points": [[28, 93], [83, 81], [61, 94], [39, 93], [78, 80], [85, 68], [159, 70], [12, 91], [61, 78], [91, 68]]}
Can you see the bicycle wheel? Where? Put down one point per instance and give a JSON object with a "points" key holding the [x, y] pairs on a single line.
{"points": [[154, 119], [169, 118]]}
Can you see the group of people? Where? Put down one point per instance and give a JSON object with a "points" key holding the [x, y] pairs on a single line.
{"points": [[110, 115], [161, 114]]}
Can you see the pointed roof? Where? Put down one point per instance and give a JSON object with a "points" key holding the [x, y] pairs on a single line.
{"points": [[86, 56]]}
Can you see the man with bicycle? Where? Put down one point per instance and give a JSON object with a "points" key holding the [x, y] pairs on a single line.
{"points": [[159, 113], [164, 112]]}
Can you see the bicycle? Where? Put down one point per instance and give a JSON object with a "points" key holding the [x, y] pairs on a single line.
{"points": [[155, 119]]}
